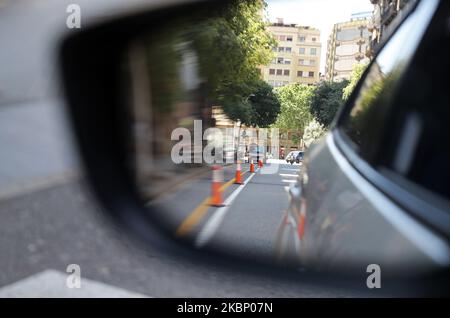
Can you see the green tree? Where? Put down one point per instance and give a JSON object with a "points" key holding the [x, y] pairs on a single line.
{"points": [[265, 106], [234, 104], [326, 101], [231, 46], [355, 76], [294, 113], [313, 131]]}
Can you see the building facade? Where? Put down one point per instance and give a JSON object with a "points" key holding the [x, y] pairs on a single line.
{"points": [[297, 56], [347, 46], [387, 14]]}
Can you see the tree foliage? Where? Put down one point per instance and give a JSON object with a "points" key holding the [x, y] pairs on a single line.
{"points": [[355, 76], [313, 131], [294, 100], [326, 101], [265, 106], [231, 46]]}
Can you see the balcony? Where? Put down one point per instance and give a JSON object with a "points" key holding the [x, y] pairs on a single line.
{"points": [[390, 8], [389, 12]]}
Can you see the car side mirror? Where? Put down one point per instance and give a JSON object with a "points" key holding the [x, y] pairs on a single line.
{"points": [[160, 124]]}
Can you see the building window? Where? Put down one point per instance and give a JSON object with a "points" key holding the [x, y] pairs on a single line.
{"points": [[287, 61], [288, 49], [311, 74], [286, 73], [313, 51], [282, 37], [279, 72], [314, 39], [280, 60], [275, 49], [301, 39], [281, 49], [306, 62], [278, 84], [299, 73], [272, 71], [289, 38], [301, 50]]}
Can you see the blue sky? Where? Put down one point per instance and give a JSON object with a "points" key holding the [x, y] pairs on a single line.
{"points": [[321, 14]]}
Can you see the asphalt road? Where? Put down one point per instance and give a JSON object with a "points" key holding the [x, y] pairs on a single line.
{"points": [[50, 220], [62, 225], [252, 212]]}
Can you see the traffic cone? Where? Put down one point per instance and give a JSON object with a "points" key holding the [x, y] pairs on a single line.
{"points": [[238, 178], [217, 179], [260, 164], [252, 167]]}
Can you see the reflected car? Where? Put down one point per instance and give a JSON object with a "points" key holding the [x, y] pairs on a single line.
{"points": [[376, 188]]}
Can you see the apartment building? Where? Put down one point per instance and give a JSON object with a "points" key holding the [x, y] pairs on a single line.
{"points": [[297, 56], [347, 46], [387, 14]]}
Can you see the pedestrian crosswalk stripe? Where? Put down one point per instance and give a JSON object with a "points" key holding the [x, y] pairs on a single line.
{"points": [[52, 284]]}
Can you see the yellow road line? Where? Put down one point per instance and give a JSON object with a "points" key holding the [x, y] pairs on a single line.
{"points": [[199, 212]]}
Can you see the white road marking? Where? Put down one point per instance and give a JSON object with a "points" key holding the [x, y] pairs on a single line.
{"points": [[210, 228], [289, 181], [52, 284], [288, 175], [290, 169]]}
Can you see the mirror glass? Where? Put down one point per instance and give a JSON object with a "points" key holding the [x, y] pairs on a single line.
{"points": [[228, 112]]}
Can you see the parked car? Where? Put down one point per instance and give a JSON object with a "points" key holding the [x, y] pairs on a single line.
{"points": [[299, 156], [292, 157]]}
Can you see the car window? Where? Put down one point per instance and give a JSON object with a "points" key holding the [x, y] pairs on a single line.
{"points": [[400, 115], [364, 123]]}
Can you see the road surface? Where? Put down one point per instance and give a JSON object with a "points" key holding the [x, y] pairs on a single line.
{"points": [[50, 220]]}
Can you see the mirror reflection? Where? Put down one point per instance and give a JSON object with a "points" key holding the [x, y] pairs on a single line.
{"points": [[231, 111]]}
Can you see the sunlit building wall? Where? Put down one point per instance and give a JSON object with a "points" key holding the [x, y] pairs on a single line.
{"points": [[347, 46], [387, 15], [297, 56]]}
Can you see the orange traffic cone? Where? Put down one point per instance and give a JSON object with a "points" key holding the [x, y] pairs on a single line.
{"points": [[217, 179], [252, 167], [238, 178], [260, 164]]}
